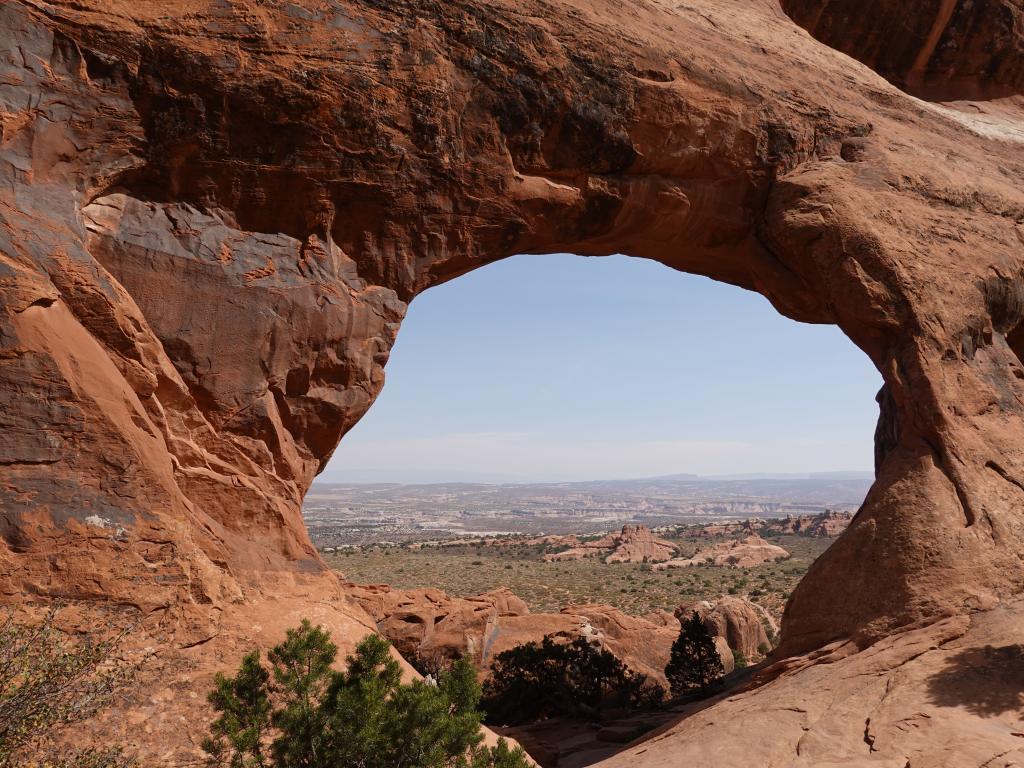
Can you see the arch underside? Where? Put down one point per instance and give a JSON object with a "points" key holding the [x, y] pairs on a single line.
{"points": [[213, 220]]}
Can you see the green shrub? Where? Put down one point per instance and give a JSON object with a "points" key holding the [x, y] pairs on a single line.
{"points": [[534, 681], [694, 663], [301, 712], [47, 681]]}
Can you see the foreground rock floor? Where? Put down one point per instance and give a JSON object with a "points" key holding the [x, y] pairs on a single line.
{"points": [[949, 695], [946, 695]]}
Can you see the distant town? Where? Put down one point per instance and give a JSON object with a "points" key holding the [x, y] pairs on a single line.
{"points": [[350, 514]]}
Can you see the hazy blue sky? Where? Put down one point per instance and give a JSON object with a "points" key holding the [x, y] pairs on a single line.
{"points": [[562, 367]]}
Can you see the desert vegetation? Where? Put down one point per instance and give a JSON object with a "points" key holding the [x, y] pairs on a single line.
{"points": [[49, 679], [300, 711], [694, 664], [574, 679], [634, 588]]}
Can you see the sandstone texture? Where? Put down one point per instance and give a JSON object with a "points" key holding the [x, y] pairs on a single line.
{"points": [[945, 50], [736, 620], [635, 544], [431, 628], [948, 694], [742, 553], [213, 216]]}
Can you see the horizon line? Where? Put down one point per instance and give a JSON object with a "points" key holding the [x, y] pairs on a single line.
{"points": [[739, 476]]}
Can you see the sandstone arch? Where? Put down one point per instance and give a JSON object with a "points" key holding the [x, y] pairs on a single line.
{"points": [[213, 216]]}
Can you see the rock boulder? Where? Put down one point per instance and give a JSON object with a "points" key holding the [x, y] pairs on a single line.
{"points": [[741, 553], [634, 544]]}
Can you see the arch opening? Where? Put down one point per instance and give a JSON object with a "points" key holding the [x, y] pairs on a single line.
{"points": [[544, 400]]}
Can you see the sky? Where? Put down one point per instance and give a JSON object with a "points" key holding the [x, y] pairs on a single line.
{"points": [[560, 367]]}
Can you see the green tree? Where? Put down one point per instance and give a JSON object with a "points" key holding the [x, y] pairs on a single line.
{"points": [[302, 667], [301, 713], [534, 681], [243, 702], [694, 662]]}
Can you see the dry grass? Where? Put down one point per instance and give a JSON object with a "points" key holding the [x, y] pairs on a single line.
{"points": [[633, 588]]}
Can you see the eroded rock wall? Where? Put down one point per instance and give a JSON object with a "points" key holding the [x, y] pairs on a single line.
{"points": [[213, 215], [938, 49]]}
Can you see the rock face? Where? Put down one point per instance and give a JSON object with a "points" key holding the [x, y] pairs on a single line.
{"points": [[743, 553], [635, 544], [735, 620], [212, 217], [642, 643], [747, 527], [944, 50], [948, 694], [431, 628]]}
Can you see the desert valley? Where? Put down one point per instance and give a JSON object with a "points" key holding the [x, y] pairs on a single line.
{"points": [[451, 571]]}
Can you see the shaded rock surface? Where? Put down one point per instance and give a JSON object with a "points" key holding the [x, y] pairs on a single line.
{"points": [[945, 49], [213, 216]]}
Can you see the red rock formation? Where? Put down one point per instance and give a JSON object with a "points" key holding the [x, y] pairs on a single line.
{"points": [[734, 619], [212, 217], [634, 544], [745, 527], [744, 553], [948, 694], [642, 643], [828, 524], [944, 50], [431, 628]]}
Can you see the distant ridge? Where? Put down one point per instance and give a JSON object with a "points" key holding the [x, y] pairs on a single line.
{"points": [[678, 478]]}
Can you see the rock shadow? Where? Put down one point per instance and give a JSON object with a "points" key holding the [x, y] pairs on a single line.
{"points": [[987, 681]]}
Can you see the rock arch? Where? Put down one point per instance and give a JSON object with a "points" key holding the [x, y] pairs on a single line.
{"points": [[214, 215]]}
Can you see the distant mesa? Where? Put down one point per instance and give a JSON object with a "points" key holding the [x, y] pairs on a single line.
{"points": [[744, 553], [634, 544]]}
